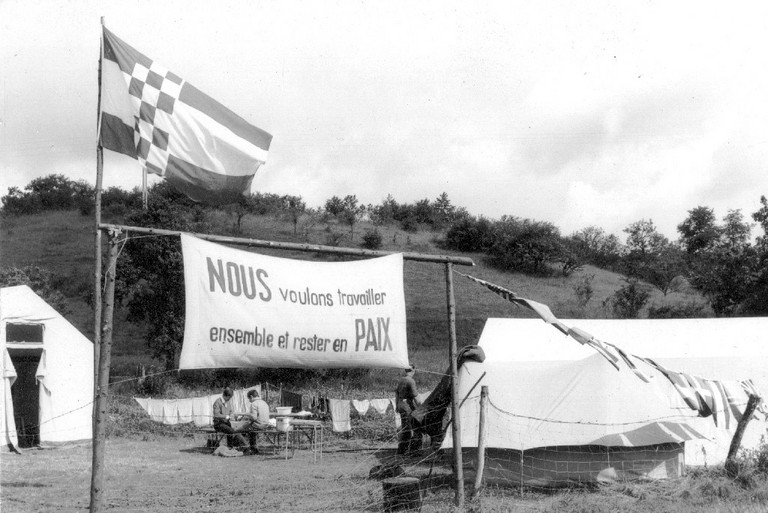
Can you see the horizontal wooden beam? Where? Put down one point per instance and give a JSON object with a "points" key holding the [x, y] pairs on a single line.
{"points": [[292, 246]]}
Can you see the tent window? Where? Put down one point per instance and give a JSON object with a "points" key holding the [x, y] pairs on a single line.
{"points": [[23, 333]]}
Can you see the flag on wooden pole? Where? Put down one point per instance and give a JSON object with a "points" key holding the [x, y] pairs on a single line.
{"points": [[176, 131]]}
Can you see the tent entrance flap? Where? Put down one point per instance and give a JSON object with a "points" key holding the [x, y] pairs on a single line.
{"points": [[26, 395]]}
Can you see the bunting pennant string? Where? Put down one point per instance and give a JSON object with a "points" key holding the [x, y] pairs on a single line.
{"points": [[709, 397]]}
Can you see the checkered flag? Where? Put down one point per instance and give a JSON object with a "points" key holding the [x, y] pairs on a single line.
{"points": [[174, 130]]}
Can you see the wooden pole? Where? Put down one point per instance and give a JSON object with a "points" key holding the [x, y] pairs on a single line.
{"points": [[144, 193], [102, 389], [292, 246], [481, 440], [458, 465], [97, 214], [731, 465]]}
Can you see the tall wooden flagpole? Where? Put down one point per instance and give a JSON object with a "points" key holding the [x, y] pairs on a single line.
{"points": [[97, 209], [458, 464], [97, 288]]}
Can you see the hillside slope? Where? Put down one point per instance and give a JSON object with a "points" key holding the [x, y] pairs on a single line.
{"points": [[63, 242]]}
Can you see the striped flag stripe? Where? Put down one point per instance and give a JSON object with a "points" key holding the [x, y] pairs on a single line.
{"points": [[202, 185], [192, 96], [123, 54], [191, 141]]}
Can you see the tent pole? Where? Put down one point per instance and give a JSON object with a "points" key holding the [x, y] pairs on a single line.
{"points": [[458, 465], [100, 404], [481, 440]]}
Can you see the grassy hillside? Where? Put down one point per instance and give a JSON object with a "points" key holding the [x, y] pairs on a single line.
{"points": [[63, 242]]}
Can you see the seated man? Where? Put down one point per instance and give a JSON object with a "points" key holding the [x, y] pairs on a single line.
{"points": [[222, 416], [258, 414]]}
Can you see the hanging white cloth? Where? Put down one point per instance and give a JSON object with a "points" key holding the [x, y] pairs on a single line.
{"points": [[380, 405], [361, 406], [340, 415], [10, 437]]}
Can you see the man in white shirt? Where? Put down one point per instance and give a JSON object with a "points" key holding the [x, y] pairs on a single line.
{"points": [[258, 414]]}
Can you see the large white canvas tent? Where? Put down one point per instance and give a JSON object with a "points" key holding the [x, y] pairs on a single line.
{"points": [[559, 412], [47, 373]]}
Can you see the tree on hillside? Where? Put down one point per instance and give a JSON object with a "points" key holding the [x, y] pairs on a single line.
{"points": [[245, 205], [725, 269], [334, 206], [294, 207], [18, 202], [55, 191], [736, 230], [573, 255], [470, 234], [757, 302], [443, 211], [385, 212], [351, 213], [651, 256], [597, 247], [150, 277], [666, 265], [644, 239], [699, 231], [524, 245]]}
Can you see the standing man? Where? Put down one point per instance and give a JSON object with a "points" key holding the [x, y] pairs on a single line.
{"points": [[405, 399], [222, 416]]}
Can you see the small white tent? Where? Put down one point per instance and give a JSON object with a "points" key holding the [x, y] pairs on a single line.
{"points": [[559, 412], [47, 373]]}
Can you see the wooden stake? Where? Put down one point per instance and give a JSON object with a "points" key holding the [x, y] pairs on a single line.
{"points": [[731, 465], [481, 440], [458, 465], [102, 389]]}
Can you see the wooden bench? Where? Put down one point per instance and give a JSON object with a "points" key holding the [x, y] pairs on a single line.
{"points": [[214, 438]]}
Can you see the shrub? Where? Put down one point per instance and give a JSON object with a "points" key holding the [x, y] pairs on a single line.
{"points": [[630, 299], [333, 238], [154, 385], [583, 289], [469, 234], [689, 310], [372, 239]]}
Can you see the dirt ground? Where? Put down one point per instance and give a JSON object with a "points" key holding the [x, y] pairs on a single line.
{"points": [[180, 474]]}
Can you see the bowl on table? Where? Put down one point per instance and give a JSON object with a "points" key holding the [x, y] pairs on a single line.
{"points": [[284, 410]]}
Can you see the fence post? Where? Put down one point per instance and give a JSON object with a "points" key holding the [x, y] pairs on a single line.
{"points": [[481, 440], [458, 464]]}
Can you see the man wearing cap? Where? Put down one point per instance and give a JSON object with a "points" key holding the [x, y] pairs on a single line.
{"points": [[222, 416], [405, 399]]}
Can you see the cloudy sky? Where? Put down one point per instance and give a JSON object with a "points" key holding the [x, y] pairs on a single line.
{"points": [[578, 113]]}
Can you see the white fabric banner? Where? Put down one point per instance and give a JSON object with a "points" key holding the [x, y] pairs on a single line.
{"points": [[250, 310]]}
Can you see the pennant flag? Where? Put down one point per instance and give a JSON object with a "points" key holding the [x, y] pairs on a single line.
{"points": [[541, 310], [200, 147]]}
